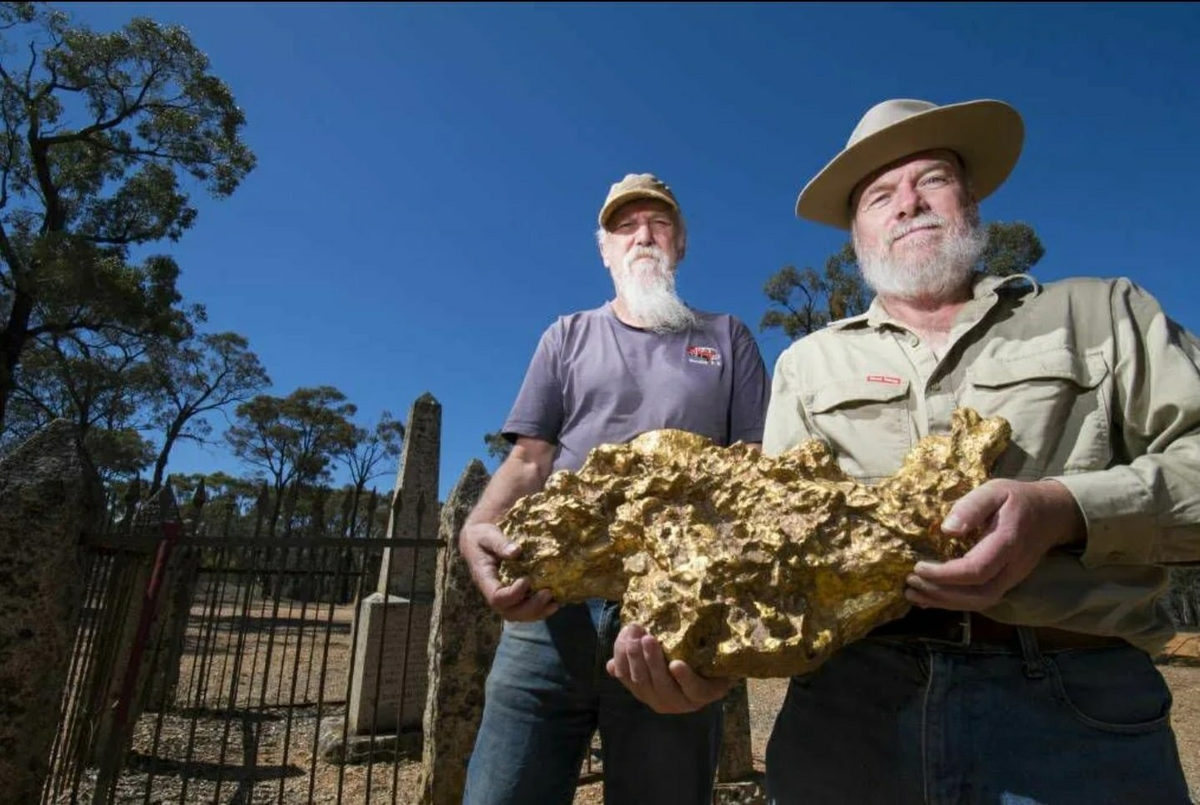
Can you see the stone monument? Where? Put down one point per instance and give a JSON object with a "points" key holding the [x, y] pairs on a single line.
{"points": [[390, 676]]}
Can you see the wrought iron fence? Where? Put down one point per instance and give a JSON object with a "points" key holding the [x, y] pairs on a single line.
{"points": [[230, 681]]}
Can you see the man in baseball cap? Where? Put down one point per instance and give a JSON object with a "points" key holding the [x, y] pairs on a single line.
{"points": [[1023, 672], [644, 360]]}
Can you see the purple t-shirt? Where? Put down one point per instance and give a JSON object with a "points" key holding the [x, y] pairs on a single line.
{"points": [[596, 380]]}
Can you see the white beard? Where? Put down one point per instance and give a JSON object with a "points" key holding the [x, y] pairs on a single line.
{"points": [[936, 277], [646, 284]]}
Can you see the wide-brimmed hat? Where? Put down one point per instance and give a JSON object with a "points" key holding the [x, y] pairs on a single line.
{"points": [[987, 136], [635, 186]]}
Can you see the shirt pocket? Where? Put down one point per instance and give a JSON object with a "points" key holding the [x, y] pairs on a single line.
{"points": [[1056, 402], [866, 423]]}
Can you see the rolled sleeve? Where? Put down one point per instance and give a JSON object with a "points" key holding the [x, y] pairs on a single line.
{"points": [[1148, 510], [1116, 506]]}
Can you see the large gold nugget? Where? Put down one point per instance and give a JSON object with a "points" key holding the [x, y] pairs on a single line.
{"points": [[743, 564]]}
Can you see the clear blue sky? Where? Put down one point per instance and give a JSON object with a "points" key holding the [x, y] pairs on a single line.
{"points": [[429, 175]]}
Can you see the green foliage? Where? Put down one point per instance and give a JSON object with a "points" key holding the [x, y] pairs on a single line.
{"points": [[97, 380], [804, 301], [364, 457], [1012, 249], [292, 439], [98, 133], [810, 300], [497, 446], [193, 378]]}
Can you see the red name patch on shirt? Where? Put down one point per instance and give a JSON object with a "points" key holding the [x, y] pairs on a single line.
{"points": [[706, 355], [891, 381]]}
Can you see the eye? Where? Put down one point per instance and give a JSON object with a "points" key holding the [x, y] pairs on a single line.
{"points": [[876, 201], [935, 179]]}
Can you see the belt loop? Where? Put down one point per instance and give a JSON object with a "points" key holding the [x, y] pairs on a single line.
{"points": [[1032, 655], [966, 629]]}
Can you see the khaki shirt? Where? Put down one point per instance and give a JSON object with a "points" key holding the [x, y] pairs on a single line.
{"points": [[1103, 394]]}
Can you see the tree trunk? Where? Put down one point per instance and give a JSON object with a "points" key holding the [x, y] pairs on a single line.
{"points": [[160, 463], [276, 504], [358, 488], [12, 342], [289, 513]]}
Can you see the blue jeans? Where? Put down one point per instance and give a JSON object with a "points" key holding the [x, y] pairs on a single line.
{"points": [[894, 720], [548, 692]]}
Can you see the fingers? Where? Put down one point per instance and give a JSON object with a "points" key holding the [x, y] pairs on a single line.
{"points": [[973, 510], [699, 688], [626, 648], [641, 666], [1018, 523], [484, 546], [978, 566], [924, 593], [536, 607]]}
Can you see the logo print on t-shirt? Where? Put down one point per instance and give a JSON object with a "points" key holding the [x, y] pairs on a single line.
{"points": [[891, 381], [709, 356]]}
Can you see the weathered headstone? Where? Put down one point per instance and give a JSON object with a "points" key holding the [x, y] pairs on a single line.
{"points": [[389, 678], [390, 665], [462, 640], [48, 495]]}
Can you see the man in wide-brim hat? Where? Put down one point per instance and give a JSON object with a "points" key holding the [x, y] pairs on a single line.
{"points": [[1023, 670]]}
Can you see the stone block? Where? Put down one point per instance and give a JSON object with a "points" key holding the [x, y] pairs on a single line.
{"points": [[48, 496], [390, 676]]}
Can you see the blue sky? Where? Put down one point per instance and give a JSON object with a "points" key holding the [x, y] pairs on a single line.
{"points": [[429, 175]]}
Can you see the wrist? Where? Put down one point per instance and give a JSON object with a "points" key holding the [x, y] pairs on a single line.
{"points": [[1072, 529]]}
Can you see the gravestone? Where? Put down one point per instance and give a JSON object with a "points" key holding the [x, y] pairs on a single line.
{"points": [[390, 665], [390, 673]]}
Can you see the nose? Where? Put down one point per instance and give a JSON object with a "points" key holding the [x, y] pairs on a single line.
{"points": [[908, 201], [642, 235]]}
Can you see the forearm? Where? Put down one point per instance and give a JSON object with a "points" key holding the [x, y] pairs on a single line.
{"points": [[511, 482], [523, 472]]}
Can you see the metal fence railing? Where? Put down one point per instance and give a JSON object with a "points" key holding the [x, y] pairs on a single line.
{"points": [[226, 686]]}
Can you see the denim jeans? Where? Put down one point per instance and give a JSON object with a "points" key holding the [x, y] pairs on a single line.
{"points": [[891, 720], [548, 691]]}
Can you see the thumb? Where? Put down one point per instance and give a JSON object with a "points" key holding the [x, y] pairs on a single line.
{"points": [[974, 509]]}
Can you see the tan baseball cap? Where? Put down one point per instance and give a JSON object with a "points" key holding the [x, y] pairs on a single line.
{"points": [[986, 134], [635, 186]]}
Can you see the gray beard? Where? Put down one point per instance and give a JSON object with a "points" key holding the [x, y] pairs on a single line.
{"points": [[938, 277], [648, 291]]}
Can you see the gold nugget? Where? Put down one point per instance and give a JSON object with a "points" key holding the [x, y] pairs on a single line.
{"points": [[743, 564]]}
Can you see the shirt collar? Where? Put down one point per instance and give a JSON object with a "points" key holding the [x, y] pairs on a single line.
{"points": [[985, 290]]}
